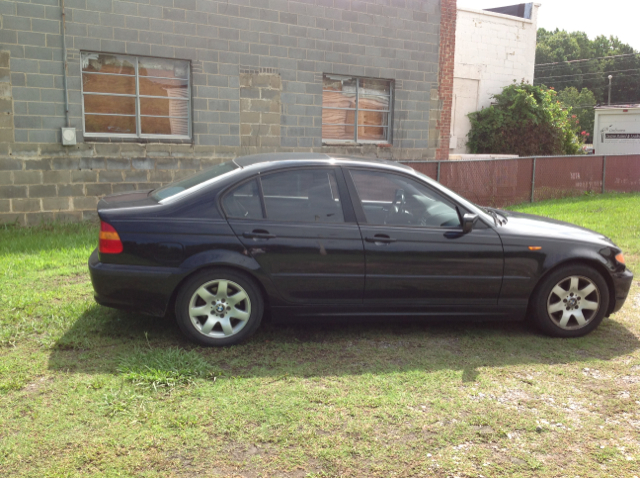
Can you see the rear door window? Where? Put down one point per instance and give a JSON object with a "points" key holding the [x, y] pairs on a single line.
{"points": [[244, 201], [304, 195]]}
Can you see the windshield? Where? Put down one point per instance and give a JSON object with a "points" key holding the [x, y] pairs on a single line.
{"points": [[192, 181]]}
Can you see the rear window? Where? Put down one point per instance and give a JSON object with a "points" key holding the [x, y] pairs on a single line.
{"points": [[193, 181]]}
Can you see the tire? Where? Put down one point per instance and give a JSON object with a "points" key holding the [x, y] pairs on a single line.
{"points": [[570, 302], [228, 317]]}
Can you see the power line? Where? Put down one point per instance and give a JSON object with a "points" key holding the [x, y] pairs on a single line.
{"points": [[587, 59], [627, 75], [613, 104], [596, 64], [588, 73], [579, 107], [587, 80]]}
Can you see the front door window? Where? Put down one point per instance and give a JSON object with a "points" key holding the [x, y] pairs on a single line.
{"points": [[389, 199]]}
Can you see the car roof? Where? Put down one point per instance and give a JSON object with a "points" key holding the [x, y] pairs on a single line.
{"points": [[312, 159]]}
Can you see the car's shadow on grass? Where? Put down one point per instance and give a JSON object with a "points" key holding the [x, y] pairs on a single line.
{"points": [[102, 338]]}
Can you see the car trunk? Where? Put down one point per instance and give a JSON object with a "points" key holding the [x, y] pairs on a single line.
{"points": [[131, 199]]}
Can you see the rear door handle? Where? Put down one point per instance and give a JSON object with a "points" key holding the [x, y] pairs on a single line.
{"points": [[261, 234], [380, 239]]}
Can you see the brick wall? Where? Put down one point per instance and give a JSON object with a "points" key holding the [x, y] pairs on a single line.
{"points": [[445, 75], [257, 70]]}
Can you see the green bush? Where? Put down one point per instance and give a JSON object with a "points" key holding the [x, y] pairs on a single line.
{"points": [[581, 105], [525, 120]]}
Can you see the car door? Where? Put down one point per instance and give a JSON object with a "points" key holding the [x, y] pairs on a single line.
{"points": [[415, 251], [294, 224]]}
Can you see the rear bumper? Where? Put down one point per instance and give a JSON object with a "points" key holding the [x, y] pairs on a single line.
{"points": [[621, 286], [134, 288]]}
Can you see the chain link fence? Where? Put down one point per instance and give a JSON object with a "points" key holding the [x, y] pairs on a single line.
{"points": [[504, 182]]}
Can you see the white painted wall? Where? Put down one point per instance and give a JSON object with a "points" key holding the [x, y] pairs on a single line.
{"points": [[617, 131], [492, 50]]}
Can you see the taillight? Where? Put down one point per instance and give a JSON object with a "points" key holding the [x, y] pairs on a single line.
{"points": [[109, 239]]}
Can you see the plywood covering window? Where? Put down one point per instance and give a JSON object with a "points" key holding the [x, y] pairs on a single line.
{"points": [[135, 97], [356, 110]]}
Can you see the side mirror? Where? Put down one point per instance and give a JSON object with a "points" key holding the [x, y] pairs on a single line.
{"points": [[468, 222]]}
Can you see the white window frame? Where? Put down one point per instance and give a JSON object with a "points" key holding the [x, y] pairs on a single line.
{"points": [[137, 96], [355, 140]]}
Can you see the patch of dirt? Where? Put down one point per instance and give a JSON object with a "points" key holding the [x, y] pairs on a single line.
{"points": [[483, 430], [595, 374], [67, 280], [636, 301], [630, 379], [37, 385], [513, 396], [242, 452]]}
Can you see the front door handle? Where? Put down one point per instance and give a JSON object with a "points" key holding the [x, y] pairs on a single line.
{"points": [[261, 234], [380, 239]]}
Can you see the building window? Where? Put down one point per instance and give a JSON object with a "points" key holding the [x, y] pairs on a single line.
{"points": [[356, 110], [135, 97]]}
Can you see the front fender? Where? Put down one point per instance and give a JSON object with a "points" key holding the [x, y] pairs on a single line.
{"points": [[525, 268], [576, 254]]}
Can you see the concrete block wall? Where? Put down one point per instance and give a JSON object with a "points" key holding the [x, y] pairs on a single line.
{"points": [[41, 182], [260, 105], [38, 183], [6, 100], [233, 46]]}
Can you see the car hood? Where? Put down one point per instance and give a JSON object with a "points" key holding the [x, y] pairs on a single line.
{"points": [[534, 226]]}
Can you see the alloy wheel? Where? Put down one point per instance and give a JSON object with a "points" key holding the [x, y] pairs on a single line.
{"points": [[573, 302], [220, 308]]}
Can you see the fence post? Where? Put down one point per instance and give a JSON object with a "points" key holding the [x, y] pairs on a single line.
{"points": [[604, 171], [438, 173], [533, 179]]}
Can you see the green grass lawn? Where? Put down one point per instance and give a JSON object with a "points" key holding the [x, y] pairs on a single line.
{"points": [[90, 391]]}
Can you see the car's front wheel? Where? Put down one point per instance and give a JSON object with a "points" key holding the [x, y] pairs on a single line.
{"points": [[570, 302], [219, 307]]}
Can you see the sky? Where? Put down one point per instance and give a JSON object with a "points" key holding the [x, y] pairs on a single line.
{"points": [[610, 17]]}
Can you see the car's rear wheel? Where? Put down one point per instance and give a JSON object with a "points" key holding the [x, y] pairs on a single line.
{"points": [[219, 307], [571, 301]]}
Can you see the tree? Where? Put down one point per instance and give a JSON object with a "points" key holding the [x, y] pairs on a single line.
{"points": [[526, 120], [571, 59], [580, 104]]}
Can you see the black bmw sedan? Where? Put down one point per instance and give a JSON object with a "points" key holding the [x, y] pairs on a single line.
{"points": [[309, 235]]}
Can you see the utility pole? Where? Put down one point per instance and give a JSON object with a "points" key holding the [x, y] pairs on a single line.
{"points": [[610, 77]]}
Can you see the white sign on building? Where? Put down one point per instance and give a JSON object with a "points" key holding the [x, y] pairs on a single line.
{"points": [[617, 130]]}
